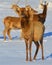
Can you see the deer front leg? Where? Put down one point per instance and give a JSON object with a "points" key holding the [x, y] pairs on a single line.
{"points": [[30, 47], [4, 33], [21, 35], [26, 42]]}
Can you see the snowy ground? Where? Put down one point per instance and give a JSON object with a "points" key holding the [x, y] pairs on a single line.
{"points": [[13, 52]]}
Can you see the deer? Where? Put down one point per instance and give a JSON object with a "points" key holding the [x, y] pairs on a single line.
{"points": [[36, 16], [41, 16], [11, 22], [33, 30]]}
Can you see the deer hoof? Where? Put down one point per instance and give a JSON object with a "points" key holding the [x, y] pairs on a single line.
{"points": [[42, 58], [34, 58], [30, 60], [26, 59]]}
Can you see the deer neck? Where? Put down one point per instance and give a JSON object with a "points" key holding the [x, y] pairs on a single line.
{"points": [[42, 16], [45, 11]]}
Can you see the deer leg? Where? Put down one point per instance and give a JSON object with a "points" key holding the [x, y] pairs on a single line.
{"points": [[8, 33], [30, 46], [21, 35], [26, 42], [37, 45], [41, 42], [4, 33]]}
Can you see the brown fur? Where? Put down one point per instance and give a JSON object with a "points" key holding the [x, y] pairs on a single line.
{"points": [[20, 11], [9, 24], [41, 16], [33, 31], [12, 22]]}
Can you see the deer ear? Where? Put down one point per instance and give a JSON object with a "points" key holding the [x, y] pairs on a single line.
{"points": [[12, 6], [30, 8], [47, 4], [41, 4], [26, 8]]}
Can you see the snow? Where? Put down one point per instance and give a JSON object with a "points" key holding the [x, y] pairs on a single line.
{"points": [[12, 52]]}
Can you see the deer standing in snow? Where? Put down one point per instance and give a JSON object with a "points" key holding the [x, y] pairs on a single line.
{"points": [[33, 29]]}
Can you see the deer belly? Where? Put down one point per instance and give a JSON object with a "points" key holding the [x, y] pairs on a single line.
{"points": [[18, 26]]}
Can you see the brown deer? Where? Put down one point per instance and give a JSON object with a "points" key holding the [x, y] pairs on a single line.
{"points": [[12, 23], [9, 24], [33, 30], [42, 16]]}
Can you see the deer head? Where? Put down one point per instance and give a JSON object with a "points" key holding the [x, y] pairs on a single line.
{"points": [[16, 8], [44, 4], [30, 11]]}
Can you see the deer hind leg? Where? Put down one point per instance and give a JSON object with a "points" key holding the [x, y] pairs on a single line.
{"points": [[4, 33], [26, 42], [41, 42], [37, 45], [21, 35], [8, 33], [30, 46]]}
